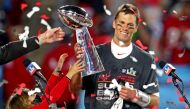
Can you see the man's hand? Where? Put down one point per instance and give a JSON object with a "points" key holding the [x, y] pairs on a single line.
{"points": [[78, 51], [127, 93], [52, 35]]}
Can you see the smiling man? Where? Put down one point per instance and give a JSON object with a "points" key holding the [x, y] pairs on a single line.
{"points": [[124, 62]]}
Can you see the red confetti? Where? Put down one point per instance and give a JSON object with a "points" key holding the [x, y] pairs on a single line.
{"points": [[73, 96], [140, 20], [155, 107], [93, 95], [139, 43], [156, 59], [164, 11], [23, 6], [21, 86], [169, 80], [181, 99], [62, 107], [38, 3], [44, 16]]}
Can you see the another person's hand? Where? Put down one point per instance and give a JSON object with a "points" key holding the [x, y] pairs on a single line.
{"points": [[51, 35], [127, 93], [60, 63], [78, 51], [77, 67]]}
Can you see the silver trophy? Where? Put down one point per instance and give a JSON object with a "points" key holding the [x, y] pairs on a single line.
{"points": [[78, 19]]}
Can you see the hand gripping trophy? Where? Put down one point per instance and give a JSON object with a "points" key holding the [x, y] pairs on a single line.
{"points": [[78, 19]]}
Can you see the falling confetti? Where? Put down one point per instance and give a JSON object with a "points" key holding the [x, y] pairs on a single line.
{"points": [[174, 11], [182, 54], [164, 11], [24, 36], [156, 59], [23, 6], [181, 99], [73, 96], [44, 22], [139, 43], [108, 12], [44, 16], [169, 80], [21, 86], [36, 90], [92, 95], [49, 9], [133, 59], [150, 85], [153, 66], [144, 23], [34, 10], [140, 20], [38, 3], [151, 52]]}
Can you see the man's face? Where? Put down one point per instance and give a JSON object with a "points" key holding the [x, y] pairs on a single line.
{"points": [[125, 25]]}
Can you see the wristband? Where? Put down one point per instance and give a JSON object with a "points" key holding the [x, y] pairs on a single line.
{"points": [[142, 99]]}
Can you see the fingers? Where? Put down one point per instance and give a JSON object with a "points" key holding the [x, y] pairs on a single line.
{"points": [[78, 51]]}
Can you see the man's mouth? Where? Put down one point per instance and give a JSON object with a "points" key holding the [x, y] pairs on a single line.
{"points": [[124, 33]]}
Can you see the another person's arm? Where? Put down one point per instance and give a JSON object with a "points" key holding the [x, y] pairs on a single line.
{"points": [[60, 87], [15, 49]]}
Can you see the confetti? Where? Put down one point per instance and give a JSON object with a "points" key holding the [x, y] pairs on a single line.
{"points": [[23, 6], [49, 9], [24, 36], [181, 99], [182, 54], [121, 43], [151, 52], [154, 107], [140, 20], [150, 85], [21, 86], [139, 43], [133, 59], [164, 11], [144, 23], [156, 59], [108, 12], [34, 10], [38, 3], [174, 11], [44, 16], [169, 80], [73, 96], [93, 95], [44, 22], [153, 66], [36, 90]]}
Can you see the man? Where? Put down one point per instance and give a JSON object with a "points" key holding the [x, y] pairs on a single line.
{"points": [[124, 62], [15, 49]]}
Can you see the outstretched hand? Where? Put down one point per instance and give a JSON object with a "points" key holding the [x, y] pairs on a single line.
{"points": [[60, 63], [77, 67], [51, 35]]}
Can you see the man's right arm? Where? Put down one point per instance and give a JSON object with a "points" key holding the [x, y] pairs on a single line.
{"points": [[15, 49]]}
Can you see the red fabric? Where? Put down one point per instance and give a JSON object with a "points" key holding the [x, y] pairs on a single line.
{"points": [[15, 73], [56, 92], [174, 44]]}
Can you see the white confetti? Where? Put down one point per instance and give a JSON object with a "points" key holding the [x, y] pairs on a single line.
{"points": [[37, 90], [49, 9], [150, 85], [153, 66], [174, 11], [24, 36], [108, 12], [34, 10], [151, 52], [182, 54], [144, 23], [44, 22], [133, 59]]}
